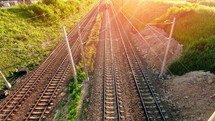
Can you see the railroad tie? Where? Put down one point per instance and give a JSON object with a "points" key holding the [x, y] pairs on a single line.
{"points": [[110, 118], [109, 103]]}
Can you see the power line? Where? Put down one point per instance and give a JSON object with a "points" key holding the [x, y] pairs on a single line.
{"points": [[156, 55], [166, 37]]}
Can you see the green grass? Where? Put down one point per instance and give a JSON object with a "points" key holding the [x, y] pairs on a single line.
{"points": [[91, 45], [28, 35], [75, 92], [195, 29], [90, 52]]}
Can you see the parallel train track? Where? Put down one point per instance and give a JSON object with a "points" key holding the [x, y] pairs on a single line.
{"points": [[150, 102], [37, 111], [141, 103], [55, 68]]}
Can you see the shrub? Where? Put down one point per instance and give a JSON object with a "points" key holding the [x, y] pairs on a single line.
{"points": [[75, 92], [42, 11], [200, 56], [195, 30], [49, 10]]}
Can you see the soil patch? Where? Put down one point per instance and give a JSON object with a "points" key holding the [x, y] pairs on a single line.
{"points": [[151, 43], [192, 95]]}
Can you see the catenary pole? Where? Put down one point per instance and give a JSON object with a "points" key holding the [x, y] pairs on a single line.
{"points": [[82, 52], [70, 54], [7, 84], [167, 47]]}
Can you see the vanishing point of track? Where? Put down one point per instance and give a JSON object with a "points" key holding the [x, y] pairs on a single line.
{"points": [[120, 81], [126, 90]]}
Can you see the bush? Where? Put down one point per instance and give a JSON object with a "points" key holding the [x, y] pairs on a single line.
{"points": [[200, 56], [81, 76], [75, 92], [41, 11], [195, 30], [49, 10], [51, 2]]}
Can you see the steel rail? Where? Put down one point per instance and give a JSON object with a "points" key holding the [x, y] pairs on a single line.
{"points": [[26, 86], [109, 75], [133, 73], [114, 73], [44, 91], [60, 45], [142, 71], [76, 54]]}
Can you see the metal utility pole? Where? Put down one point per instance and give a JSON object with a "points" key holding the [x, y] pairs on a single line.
{"points": [[82, 52], [167, 48], [70, 55], [7, 84]]}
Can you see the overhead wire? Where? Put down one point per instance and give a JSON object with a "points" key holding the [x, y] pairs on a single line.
{"points": [[177, 61], [141, 36], [148, 24], [156, 55]]}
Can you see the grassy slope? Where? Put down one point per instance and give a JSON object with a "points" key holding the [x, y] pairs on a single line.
{"points": [[195, 28], [24, 42]]}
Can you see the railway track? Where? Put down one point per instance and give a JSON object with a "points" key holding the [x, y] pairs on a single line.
{"points": [[115, 103], [149, 99], [44, 104], [14, 102], [110, 90], [54, 67], [125, 92], [95, 98]]}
